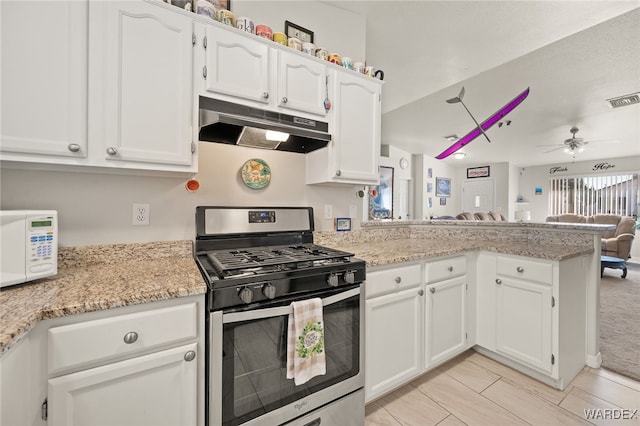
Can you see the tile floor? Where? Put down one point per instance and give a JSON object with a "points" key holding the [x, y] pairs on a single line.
{"points": [[475, 390]]}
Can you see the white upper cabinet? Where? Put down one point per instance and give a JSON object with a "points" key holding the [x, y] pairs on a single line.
{"points": [[236, 65], [353, 154], [44, 81], [302, 83], [141, 85]]}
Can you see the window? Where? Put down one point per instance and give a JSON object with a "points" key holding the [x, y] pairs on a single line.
{"points": [[591, 195]]}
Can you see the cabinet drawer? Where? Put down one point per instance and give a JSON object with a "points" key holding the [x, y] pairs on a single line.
{"points": [[439, 270], [388, 281], [529, 270], [96, 341]]}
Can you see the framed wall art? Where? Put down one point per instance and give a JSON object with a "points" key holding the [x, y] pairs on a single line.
{"points": [[477, 172], [443, 187], [293, 30]]}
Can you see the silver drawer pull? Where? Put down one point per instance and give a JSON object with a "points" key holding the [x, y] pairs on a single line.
{"points": [[520, 269], [190, 356], [130, 337], [398, 280], [420, 292], [265, 95], [498, 281], [73, 147], [285, 100], [432, 290], [112, 151], [450, 269]]}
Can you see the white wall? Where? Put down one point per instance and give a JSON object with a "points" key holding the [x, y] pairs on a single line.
{"points": [[96, 208], [532, 177], [421, 164], [337, 30]]}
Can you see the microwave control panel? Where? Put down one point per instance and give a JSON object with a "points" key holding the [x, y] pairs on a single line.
{"points": [[42, 244]]}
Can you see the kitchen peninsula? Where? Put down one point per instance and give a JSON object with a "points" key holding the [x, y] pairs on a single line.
{"points": [[525, 294]]}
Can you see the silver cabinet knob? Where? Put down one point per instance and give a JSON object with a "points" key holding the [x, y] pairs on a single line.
{"points": [[190, 356], [338, 172], [520, 269], [269, 290], [112, 151], [130, 337], [432, 290], [204, 72], [450, 269], [73, 147], [421, 293], [332, 280], [265, 95], [498, 281], [398, 280], [349, 277], [246, 295], [285, 100]]}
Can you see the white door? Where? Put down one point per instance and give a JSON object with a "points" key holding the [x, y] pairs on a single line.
{"points": [[446, 319], [402, 197], [356, 130], [393, 342], [478, 195], [146, 55], [523, 322], [236, 66], [302, 84], [155, 389], [44, 78]]}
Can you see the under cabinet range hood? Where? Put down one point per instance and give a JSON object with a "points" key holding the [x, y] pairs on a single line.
{"points": [[226, 122]]}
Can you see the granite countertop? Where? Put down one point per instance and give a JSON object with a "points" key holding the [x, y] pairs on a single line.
{"points": [[93, 278], [405, 250], [581, 227]]}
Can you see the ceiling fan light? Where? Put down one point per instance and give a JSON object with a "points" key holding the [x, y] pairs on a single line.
{"points": [[459, 155]]}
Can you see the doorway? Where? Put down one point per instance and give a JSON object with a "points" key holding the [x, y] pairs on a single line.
{"points": [[478, 195]]}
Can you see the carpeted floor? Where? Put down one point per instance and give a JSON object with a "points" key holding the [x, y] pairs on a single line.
{"points": [[620, 320]]}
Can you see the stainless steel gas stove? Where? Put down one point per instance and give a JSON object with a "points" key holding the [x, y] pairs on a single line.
{"points": [[256, 262]]}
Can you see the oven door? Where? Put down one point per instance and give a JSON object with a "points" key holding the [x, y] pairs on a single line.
{"points": [[247, 360]]}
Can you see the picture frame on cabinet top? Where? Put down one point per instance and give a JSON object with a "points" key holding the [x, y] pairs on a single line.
{"points": [[293, 30]]}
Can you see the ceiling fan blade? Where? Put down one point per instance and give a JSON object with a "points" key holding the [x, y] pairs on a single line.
{"points": [[554, 149]]}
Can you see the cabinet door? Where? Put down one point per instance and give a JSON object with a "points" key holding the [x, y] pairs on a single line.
{"points": [[393, 340], [155, 389], [302, 83], [523, 316], [236, 66], [446, 319], [356, 131], [44, 79], [141, 72]]}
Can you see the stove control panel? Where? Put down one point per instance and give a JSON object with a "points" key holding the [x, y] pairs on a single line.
{"points": [[262, 216]]}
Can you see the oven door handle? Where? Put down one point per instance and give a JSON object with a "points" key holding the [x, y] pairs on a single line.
{"points": [[283, 310]]}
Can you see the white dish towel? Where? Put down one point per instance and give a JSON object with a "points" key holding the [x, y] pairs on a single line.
{"points": [[305, 341]]}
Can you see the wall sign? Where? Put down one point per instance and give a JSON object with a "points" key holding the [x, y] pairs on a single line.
{"points": [[476, 172]]}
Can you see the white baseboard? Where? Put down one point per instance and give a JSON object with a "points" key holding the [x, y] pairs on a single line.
{"points": [[594, 361]]}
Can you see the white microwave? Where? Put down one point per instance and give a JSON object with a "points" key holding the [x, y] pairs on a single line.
{"points": [[29, 244]]}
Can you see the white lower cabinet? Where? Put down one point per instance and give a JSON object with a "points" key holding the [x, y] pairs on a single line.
{"points": [[134, 365], [523, 321], [394, 333], [532, 313], [155, 389], [446, 320]]}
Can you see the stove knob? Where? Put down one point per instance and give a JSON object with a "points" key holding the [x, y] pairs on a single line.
{"points": [[269, 290], [246, 295], [332, 280], [349, 277]]}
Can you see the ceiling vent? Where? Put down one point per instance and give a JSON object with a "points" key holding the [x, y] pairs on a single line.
{"points": [[625, 100]]}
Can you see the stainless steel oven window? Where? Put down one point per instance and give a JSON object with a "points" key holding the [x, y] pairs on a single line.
{"points": [[254, 359]]}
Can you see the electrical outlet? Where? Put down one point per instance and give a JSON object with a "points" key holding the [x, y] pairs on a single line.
{"points": [[328, 211], [140, 214]]}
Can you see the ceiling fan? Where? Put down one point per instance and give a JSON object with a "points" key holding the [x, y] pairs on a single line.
{"points": [[573, 145]]}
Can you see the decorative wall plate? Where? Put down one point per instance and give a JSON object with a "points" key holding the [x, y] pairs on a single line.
{"points": [[256, 173]]}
